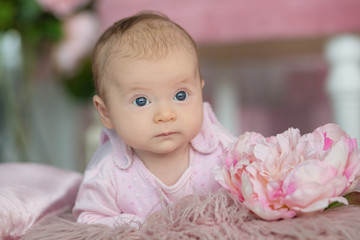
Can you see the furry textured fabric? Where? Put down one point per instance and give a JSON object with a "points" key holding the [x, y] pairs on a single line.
{"points": [[217, 216]]}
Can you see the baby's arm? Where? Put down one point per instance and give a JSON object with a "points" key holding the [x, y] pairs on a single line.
{"points": [[96, 201]]}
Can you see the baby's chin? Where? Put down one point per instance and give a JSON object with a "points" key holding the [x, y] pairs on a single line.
{"points": [[166, 147]]}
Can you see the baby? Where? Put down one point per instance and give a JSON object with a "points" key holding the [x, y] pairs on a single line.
{"points": [[160, 141]]}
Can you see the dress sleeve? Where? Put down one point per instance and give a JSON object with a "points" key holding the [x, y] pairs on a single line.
{"points": [[96, 201]]}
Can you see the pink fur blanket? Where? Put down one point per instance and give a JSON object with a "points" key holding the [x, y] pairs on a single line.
{"points": [[217, 216]]}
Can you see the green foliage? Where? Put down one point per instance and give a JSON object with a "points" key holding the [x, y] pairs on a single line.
{"points": [[353, 199], [80, 85], [26, 16], [7, 14], [334, 205]]}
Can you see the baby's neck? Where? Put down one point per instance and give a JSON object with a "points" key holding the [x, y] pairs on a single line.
{"points": [[167, 167]]}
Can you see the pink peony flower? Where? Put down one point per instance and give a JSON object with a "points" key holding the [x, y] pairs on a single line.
{"points": [[288, 174], [81, 33], [62, 8]]}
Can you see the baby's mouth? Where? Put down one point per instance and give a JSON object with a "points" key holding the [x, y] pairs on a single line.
{"points": [[165, 134]]}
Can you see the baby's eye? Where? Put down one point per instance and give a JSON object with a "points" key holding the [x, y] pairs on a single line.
{"points": [[141, 101], [181, 96]]}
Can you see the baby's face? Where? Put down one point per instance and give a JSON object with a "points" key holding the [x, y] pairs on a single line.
{"points": [[155, 106]]}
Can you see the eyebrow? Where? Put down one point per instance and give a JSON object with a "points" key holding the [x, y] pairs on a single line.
{"points": [[136, 87], [185, 80], [139, 86], [188, 78]]}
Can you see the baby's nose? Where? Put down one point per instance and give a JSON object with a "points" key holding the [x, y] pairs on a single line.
{"points": [[165, 114]]}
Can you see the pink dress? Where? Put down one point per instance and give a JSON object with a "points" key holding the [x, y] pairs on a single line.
{"points": [[117, 187]]}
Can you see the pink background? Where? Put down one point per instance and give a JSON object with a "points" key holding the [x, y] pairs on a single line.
{"points": [[214, 21]]}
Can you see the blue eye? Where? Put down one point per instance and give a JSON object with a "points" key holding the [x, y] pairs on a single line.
{"points": [[181, 96], [141, 101]]}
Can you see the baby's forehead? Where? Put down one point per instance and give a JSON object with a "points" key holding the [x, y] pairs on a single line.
{"points": [[119, 57], [174, 67], [118, 62]]}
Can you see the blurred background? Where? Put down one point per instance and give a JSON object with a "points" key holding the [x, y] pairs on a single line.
{"points": [[268, 66]]}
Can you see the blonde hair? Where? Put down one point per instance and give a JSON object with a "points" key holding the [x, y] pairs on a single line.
{"points": [[146, 34]]}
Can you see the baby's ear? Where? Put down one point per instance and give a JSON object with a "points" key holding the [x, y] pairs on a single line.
{"points": [[202, 83], [102, 111]]}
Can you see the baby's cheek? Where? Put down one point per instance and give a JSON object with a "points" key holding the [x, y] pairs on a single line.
{"points": [[194, 124], [130, 132]]}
